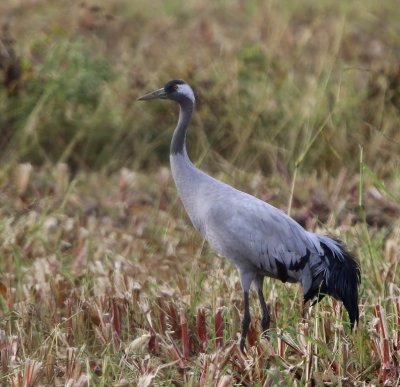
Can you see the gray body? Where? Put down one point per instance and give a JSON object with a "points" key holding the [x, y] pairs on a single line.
{"points": [[258, 238], [250, 232]]}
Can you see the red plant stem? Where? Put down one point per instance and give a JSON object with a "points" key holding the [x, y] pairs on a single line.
{"points": [[225, 381], [174, 320], [116, 319], [281, 348], [153, 339], [386, 352], [68, 322], [384, 339], [184, 334], [334, 367], [201, 329], [251, 335], [259, 360], [203, 375], [398, 323], [163, 323], [218, 327], [378, 313], [309, 362], [384, 346], [345, 356]]}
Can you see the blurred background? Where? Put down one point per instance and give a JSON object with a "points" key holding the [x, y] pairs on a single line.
{"points": [[270, 78]]}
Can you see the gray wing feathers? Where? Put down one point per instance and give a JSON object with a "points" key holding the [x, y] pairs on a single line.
{"points": [[248, 230]]}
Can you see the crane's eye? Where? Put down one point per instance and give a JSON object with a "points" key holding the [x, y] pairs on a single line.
{"points": [[170, 87]]}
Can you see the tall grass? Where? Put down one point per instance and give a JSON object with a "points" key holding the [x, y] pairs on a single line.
{"points": [[267, 77]]}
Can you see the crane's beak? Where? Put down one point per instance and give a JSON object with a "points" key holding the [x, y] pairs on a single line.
{"points": [[160, 93]]}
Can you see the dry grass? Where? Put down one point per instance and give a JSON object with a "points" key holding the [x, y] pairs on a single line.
{"points": [[111, 286], [102, 279]]}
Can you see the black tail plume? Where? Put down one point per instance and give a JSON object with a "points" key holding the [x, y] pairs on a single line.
{"points": [[342, 276]]}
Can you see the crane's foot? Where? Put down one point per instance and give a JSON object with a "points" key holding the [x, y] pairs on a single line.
{"points": [[242, 345], [265, 325], [245, 329]]}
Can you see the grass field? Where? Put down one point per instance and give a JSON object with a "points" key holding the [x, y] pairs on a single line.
{"points": [[103, 280]]}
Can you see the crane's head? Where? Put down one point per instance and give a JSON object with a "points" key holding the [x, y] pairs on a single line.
{"points": [[176, 90]]}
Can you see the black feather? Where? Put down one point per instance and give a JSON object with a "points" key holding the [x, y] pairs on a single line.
{"points": [[169, 87], [282, 271], [318, 289], [301, 263], [341, 280]]}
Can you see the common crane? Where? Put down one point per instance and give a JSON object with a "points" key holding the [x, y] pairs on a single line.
{"points": [[261, 240]]}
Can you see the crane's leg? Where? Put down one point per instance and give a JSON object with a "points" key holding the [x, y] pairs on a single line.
{"points": [[266, 318], [246, 278], [245, 321]]}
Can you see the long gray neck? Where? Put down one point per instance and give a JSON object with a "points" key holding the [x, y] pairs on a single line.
{"points": [[178, 143], [188, 179]]}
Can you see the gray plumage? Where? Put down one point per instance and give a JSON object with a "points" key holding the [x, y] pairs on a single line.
{"points": [[258, 238]]}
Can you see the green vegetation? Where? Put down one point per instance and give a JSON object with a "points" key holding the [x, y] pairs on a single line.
{"points": [[103, 281]]}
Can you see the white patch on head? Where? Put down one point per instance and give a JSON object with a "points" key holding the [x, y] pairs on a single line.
{"points": [[187, 91]]}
